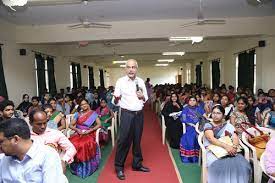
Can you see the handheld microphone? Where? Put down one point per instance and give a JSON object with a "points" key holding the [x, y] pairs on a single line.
{"points": [[136, 81]]}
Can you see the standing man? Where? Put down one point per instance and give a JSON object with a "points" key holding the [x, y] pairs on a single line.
{"points": [[130, 94]]}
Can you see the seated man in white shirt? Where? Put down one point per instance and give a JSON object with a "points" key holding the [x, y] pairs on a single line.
{"points": [[25, 160], [54, 138]]}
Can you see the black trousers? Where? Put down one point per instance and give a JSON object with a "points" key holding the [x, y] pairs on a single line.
{"points": [[131, 127]]}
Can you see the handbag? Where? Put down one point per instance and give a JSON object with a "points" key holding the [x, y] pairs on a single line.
{"points": [[258, 141]]}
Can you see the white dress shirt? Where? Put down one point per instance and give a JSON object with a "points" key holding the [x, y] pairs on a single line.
{"points": [[126, 88], [41, 164]]}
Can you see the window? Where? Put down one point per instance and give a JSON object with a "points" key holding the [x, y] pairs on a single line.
{"points": [[75, 76], [215, 73], [188, 73], [246, 70], [45, 70]]}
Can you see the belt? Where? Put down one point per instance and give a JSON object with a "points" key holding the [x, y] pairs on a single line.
{"points": [[134, 112]]}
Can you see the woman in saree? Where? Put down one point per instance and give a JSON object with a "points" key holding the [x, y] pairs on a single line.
{"points": [[189, 147], [85, 123], [239, 117], [105, 115], [173, 126], [233, 168], [56, 118]]}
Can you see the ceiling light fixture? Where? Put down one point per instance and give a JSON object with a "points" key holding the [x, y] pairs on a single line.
{"points": [[166, 60], [161, 65], [11, 3], [120, 62], [122, 66], [180, 53], [194, 39]]}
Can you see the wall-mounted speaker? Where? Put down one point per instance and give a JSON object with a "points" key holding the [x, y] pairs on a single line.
{"points": [[261, 43], [22, 52]]}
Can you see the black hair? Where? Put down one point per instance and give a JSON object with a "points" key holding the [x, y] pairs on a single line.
{"points": [[58, 96], [32, 113], [47, 106], [220, 107], [25, 96], [6, 103], [83, 99], [35, 98], [52, 99], [253, 98], [193, 96], [244, 99], [15, 126]]}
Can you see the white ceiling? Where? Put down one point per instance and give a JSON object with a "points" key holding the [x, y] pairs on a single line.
{"points": [[118, 10]]}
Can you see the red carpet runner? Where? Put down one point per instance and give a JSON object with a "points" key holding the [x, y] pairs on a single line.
{"points": [[155, 156]]}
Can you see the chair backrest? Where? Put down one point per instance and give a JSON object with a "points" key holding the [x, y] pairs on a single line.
{"points": [[255, 132], [69, 118]]}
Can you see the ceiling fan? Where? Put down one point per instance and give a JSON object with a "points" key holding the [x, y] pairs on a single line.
{"points": [[59, 2], [258, 2], [110, 44], [202, 21], [85, 23]]}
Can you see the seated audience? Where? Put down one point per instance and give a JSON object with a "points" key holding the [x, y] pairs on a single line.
{"points": [[173, 126], [61, 105], [233, 168], [239, 117], [269, 120], [54, 138], [35, 105], [85, 123], [96, 101], [269, 159], [189, 147], [24, 106], [228, 107], [56, 119], [6, 110], [253, 112], [24, 160]]}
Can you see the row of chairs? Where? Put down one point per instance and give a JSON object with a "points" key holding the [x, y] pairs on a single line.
{"points": [[249, 150]]}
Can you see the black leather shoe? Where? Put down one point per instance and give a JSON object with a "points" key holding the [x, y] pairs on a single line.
{"points": [[120, 175], [142, 169]]}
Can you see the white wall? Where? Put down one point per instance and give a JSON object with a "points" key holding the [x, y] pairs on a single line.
{"points": [[157, 75], [265, 57]]}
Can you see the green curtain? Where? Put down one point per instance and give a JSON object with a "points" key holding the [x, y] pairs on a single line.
{"points": [[74, 75], [91, 77], [198, 75], [40, 62], [101, 77], [51, 77], [79, 80], [3, 87], [246, 69], [215, 73]]}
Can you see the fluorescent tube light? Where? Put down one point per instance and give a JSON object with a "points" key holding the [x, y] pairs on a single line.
{"points": [[122, 66], [166, 60], [120, 62], [194, 39], [161, 65], [181, 53]]}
